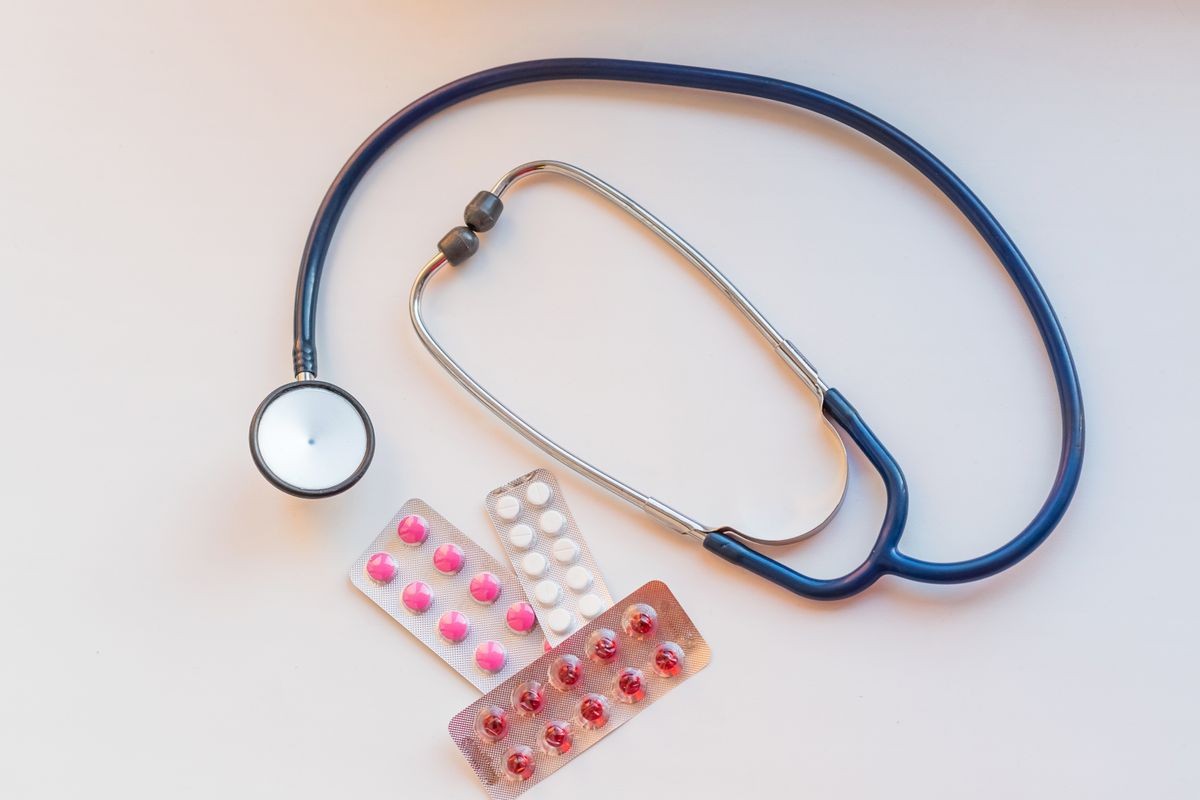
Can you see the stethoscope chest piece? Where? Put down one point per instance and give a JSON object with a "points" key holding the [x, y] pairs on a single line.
{"points": [[311, 439]]}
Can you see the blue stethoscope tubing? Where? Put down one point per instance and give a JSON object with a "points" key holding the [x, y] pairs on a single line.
{"points": [[885, 557]]}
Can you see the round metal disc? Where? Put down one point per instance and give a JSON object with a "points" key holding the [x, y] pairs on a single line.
{"points": [[311, 439]]}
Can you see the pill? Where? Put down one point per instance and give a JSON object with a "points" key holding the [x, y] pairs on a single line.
{"points": [[448, 559], [579, 579], [518, 763], [508, 507], [538, 493], [485, 588], [593, 711], [547, 593], [565, 672], [639, 620], [413, 529], [522, 536], [556, 738], [565, 550], [668, 659], [552, 521], [490, 656], [560, 620], [381, 568], [602, 646], [417, 597], [590, 605], [630, 685], [520, 618], [491, 723], [534, 565], [528, 697], [454, 626]]}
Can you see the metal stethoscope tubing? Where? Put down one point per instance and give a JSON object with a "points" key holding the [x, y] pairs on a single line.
{"points": [[790, 354], [884, 557]]}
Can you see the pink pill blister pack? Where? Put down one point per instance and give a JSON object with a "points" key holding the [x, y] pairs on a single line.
{"points": [[448, 592], [552, 710], [549, 554]]}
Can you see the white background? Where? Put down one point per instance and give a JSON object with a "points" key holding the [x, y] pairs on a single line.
{"points": [[172, 626]]}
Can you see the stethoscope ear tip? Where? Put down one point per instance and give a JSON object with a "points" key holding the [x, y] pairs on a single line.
{"points": [[311, 438]]}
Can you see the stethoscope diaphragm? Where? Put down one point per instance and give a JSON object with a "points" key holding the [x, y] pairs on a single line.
{"points": [[311, 439]]}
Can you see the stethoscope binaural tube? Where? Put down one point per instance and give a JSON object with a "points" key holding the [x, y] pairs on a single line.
{"points": [[885, 557], [482, 214]]}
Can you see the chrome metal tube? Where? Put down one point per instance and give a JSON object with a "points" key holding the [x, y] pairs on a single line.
{"points": [[785, 349]]}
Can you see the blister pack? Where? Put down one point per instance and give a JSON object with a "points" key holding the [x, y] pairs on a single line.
{"points": [[549, 712], [548, 553], [448, 592]]}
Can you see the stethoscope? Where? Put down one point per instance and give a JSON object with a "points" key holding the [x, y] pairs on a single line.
{"points": [[313, 439]]}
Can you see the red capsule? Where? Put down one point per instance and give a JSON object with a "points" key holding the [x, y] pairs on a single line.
{"points": [[639, 620], [668, 659], [528, 698], [630, 685], [556, 738], [565, 672], [492, 723], [602, 646], [593, 711], [518, 763]]}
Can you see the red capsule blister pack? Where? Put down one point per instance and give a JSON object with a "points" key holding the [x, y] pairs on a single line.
{"points": [[448, 592], [549, 712]]}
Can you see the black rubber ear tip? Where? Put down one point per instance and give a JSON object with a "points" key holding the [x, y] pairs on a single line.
{"points": [[483, 212], [459, 244]]}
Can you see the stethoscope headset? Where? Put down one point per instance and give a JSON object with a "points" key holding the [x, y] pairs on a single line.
{"points": [[313, 439]]}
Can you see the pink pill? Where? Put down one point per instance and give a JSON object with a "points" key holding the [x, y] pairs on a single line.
{"points": [[417, 597], [413, 529], [454, 626], [520, 618], [491, 656], [485, 588], [448, 559], [381, 568]]}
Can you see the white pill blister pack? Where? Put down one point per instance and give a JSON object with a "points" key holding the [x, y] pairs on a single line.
{"points": [[448, 592], [548, 553]]}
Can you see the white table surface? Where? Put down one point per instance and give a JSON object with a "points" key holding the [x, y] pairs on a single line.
{"points": [[174, 627]]}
